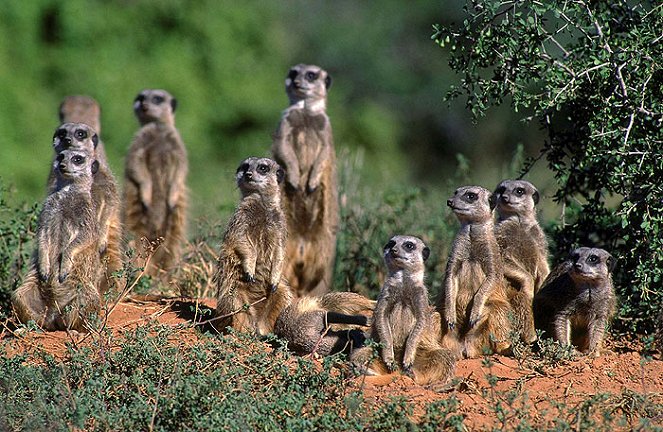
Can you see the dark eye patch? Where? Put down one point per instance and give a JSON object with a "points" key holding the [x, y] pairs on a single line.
{"points": [[311, 76], [243, 167], [409, 246], [78, 160], [471, 196], [139, 98], [60, 133], [389, 245], [500, 190], [292, 74], [80, 134], [592, 259], [158, 100], [263, 169], [520, 191]]}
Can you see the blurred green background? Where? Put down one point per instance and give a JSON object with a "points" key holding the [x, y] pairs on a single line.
{"points": [[226, 62]]}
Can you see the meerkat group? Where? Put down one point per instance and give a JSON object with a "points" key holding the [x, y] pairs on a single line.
{"points": [[275, 263]]}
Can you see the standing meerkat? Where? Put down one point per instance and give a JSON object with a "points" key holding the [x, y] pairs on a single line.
{"points": [[304, 147], [84, 109], [155, 195], [325, 325], [61, 289], [251, 291], [404, 322], [105, 197], [524, 249], [577, 300], [474, 303]]}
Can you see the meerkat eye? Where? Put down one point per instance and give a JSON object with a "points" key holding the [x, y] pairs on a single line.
{"points": [[409, 246], [593, 259], [80, 134], [471, 196], [157, 100], [78, 160], [311, 76], [263, 169], [520, 191]]}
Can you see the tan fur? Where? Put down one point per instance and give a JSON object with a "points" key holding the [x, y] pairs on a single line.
{"points": [[84, 109], [404, 322], [324, 325], [251, 291], [61, 289], [577, 300], [105, 196], [155, 194], [304, 147], [473, 302], [524, 249]]}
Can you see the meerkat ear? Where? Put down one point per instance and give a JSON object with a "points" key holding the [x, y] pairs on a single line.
{"points": [[611, 262], [425, 253], [95, 167], [492, 201], [173, 104], [95, 140], [328, 81], [280, 174], [536, 197]]}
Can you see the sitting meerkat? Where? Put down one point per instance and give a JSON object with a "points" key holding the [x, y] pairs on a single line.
{"points": [[577, 300], [251, 291], [524, 249], [61, 288], [474, 303], [404, 322]]}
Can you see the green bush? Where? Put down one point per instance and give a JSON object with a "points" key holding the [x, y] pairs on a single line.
{"points": [[590, 74]]}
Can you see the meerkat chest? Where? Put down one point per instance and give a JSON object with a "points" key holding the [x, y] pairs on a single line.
{"points": [[308, 134]]}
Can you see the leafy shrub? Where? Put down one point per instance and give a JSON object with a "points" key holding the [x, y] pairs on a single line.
{"points": [[590, 75]]}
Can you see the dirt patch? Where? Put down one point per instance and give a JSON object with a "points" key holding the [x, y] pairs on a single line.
{"points": [[478, 385]]}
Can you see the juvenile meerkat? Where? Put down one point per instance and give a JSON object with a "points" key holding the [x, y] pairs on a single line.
{"points": [[577, 300], [524, 249], [251, 290], [84, 109], [303, 145], [404, 322], [155, 194], [105, 196], [474, 303], [325, 325], [61, 289]]}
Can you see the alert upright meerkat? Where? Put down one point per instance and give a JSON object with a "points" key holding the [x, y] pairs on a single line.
{"points": [[251, 290], [524, 249], [404, 322], [84, 109], [474, 303], [577, 300], [105, 197], [156, 166], [61, 289], [303, 146], [325, 325]]}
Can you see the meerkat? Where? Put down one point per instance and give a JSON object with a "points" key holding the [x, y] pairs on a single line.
{"points": [[524, 249], [325, 325], [105, 196], [61, 289], [577, 300], [404, 322], [155, 194], [251, 290], [84, 109], [303, 145], [474, 303]]}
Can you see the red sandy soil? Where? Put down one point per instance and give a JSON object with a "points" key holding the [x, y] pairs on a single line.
{"points": [[619, 371]]}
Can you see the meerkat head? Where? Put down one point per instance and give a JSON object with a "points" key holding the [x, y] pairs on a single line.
{"points": [[590, 264], [308, 84], [516, 198], [75, 136], [259, 175], [155, 106], [75, 164], [472, 204], [80, 109], [405, 253]]}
